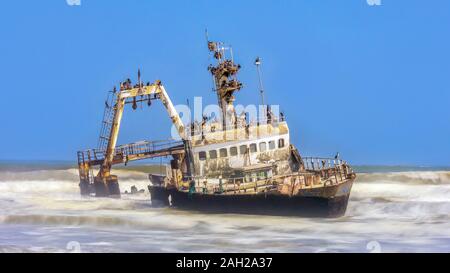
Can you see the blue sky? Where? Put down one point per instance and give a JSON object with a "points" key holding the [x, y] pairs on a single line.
{"points": [[372, 82]]}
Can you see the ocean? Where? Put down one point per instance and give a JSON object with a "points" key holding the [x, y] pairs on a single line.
{"points": [[391, 209]]}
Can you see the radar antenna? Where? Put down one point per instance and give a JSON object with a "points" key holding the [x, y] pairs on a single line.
{"points": [[261, 88]]}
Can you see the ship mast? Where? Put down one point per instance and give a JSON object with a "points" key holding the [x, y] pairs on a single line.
{"points": [[225, 81]]}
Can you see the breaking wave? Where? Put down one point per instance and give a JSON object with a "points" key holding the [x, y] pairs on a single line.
{"points": [[383, 205], [418, 178], [67, 175], [406, 195]]}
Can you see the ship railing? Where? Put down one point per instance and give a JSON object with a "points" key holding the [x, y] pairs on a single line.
{"points": [[332, 176], [321, 163], [238, 185], [330, 169], [334, 172], [146, 147], [143, 147], [196, 128], [235, 185], [87, 156]]}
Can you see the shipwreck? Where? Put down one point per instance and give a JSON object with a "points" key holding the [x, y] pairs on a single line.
{"points": [[231, 164]]}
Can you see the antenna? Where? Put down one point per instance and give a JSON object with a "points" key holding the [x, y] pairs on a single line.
{"points": [[231, 53], [261, 88], [139, 78]]}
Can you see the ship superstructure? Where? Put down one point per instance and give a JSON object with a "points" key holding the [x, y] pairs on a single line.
{"points": [[235, 140]]}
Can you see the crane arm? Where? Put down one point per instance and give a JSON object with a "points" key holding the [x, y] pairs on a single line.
{"points": [[173, 114], [156, 90]]}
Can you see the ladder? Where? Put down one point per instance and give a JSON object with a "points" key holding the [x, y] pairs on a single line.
{"points": [[108, 119]]}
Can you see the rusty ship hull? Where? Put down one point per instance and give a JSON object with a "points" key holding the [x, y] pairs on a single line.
{"points": [[330, 201]]}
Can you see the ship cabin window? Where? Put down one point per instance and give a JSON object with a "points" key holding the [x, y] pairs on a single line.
{"points": [[202, 156], [254, 176], [262, 175], [248, 178], [281, 143], [233, 151], [258, 175], [213, 154], [251, 177], [262, 147], [243, 149], [223, 152], [253, 148], [271, 145]]}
